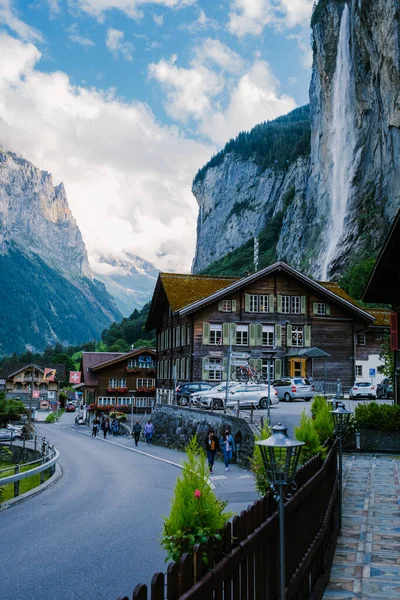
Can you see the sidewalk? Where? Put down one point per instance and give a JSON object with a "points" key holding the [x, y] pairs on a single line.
{"points": [[367, 559]]}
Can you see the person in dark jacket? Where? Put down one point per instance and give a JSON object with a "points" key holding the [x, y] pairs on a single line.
{"points": [[212, 447], [95, 428], [228, 447], [137, 430]]}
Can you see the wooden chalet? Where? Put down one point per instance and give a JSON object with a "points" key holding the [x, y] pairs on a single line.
{"points": [[119, 378], [312, 328], [16, 380]]}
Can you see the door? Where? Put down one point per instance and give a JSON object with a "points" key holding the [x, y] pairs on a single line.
{"points": [[297, 367]]}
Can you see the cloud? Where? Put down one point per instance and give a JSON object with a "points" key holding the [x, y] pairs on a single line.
{"points": [[200, 24], [127, 177], [9, 17], [76, 38], [250, 17], [115, 43], [158, 20], [131, 8], [221, 92]]}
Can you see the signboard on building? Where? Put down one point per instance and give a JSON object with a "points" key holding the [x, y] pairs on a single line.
{"points": [[372, 372], [36, 394], [239, 363], [51, 395], [208, 367], [215, 354], [240, 355]]}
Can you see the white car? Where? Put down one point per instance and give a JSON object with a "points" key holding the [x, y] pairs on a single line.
{"points": [[362, 389], [244, 393], [195, 398]]}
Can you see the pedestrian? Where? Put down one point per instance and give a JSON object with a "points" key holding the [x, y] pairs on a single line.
{"points": [[148, 432], [212, 447], [228, 446], [115, 426], [107, 427], [94, 428], [137, 430]]}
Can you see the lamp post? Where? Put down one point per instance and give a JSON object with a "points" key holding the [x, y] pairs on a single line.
{"points": [[341, 418], [269, 355], [280, 456]]}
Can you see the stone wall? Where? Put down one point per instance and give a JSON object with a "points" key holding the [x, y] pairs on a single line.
{"points": [[174, 426], [23, 455]]}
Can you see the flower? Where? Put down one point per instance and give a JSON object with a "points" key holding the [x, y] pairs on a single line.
{"points": [[197, 493]]}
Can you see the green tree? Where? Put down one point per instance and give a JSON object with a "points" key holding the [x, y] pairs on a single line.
{"points": [[307, 433], [10, 410], [387, 356], [257, 465]]}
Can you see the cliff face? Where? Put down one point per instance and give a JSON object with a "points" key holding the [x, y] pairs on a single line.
{"points": [[345, 193]]}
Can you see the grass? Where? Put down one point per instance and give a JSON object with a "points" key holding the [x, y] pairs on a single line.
{"points": [[25, 485]]}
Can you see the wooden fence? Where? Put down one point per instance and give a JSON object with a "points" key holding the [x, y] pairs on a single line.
{"points": [[244, 564]]}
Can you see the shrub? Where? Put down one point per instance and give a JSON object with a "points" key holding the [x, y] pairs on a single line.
{"points": [[323, 422], [316, 404], [307, 433], [384, 417], [51, 417], [257, 465], [196, 514]]}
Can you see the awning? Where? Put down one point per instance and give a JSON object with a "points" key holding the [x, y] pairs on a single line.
{"points": [[306, 353]]}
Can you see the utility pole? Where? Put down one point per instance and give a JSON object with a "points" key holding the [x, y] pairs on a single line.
{"points": [[228, 374], [30, 403], [256, 245]]}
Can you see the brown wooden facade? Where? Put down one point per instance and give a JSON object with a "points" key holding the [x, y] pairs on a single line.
{"points": [[277, 309]]}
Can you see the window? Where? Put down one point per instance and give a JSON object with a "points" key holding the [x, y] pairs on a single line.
{"points": [[142, 362], [263, 304], [104, 400], [361, 339], [117, 383], [264, 369], [242, 335], [297, 335], [291, 304], [320, 308], [226, 306], [268, 332], [378, 337], [216, 373], [43, 386], [253, 303], [215, 334], [359, 371], [144, 383], [125, 401], [258, 303], [183, 335], [18, 386], [141, 402]]}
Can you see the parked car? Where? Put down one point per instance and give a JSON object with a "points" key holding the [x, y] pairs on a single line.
{"points": [[384, 389], [293, 388], [70, 408], [16, 429], [245, 394], [362, 389], [184, 390], [221, 387], [8, 434]]}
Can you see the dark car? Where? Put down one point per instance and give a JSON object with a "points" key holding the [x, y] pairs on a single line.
{"points": [[70, 408], [183, 390], [384, 389]]}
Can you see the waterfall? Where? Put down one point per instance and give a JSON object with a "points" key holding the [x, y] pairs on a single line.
{"points": [[343, 140]]}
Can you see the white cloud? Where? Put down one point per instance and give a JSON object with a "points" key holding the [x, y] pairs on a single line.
{"points": [[9, 17], [116, 44], [251, 16], [158, 20], [76, 38], [127, 178], [200, 24], [132, 8], [218, 77]]}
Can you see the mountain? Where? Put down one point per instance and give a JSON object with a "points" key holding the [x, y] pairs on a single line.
{"points": [[321, 185], [48, 291], [130, 280]]}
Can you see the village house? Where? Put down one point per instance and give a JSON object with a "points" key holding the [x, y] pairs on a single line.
{"points": [[278, 316], [119, 378], [16, 380]]}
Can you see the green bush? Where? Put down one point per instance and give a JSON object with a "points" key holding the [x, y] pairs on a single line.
{"points": [[196, 514], [51, 418], [307, 433], [257, 465], [384, 417], [316, 404], [323, 422]]}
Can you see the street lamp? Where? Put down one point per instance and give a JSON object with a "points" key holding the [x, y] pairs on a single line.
{"points": [[280, 456], [341, 418], [269, 355]]}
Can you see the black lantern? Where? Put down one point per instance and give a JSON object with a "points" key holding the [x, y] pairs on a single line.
{"points": [[341, 419]]}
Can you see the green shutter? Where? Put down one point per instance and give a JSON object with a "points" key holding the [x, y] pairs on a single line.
{"points": [[315, 308], [252, 363], [220, 305], [279, 303], [258, 364], [259, 334], [206, 333], [225, 334], [307, 335], [205, 373], [278, 368], [225, 371], [247, 302], [233, 305], [252, 336], [233, 332], [271, 303], [278, 335], [303, 305], [327, 309], [288, 335]]}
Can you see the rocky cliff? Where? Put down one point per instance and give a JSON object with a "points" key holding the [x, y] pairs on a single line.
{"points": [[335, 203], [48, 291]]}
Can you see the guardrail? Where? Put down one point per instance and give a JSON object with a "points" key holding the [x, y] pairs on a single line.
{"points": [[48, 459]]}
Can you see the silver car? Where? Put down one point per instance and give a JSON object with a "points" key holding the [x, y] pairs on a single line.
{"points": [[245, 394], [293, 388]]}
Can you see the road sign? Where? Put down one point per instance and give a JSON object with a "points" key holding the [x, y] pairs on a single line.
{"points": [[239, 363], [214, 367], [240, 355], [372, 372]]}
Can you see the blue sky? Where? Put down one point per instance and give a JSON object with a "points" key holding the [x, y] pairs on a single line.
{"points": [[123, 101]]}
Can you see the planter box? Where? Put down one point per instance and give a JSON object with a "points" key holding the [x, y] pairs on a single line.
{"points": [[373, 440]]}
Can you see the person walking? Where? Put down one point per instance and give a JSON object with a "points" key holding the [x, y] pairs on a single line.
{"points": [[115, 426], [212, 447], [148, 432], [228, 446], [137, 430], [94, 428]]}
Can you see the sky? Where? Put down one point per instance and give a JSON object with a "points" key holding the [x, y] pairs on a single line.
{"points": [[124, 100]]}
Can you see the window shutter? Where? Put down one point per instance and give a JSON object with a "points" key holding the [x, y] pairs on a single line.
{"points": [[303, 305], [271, 303], [220, 305], [206, 334], [205, 372], [225, 371], [233, 305], [288, 335], [327, 309], [307, 335], [394, 331], [252, 336], [252, 363], [278, 368], [225, 334], [259, 364], [279, 303], [278, 335], [315, 308], [233, 330], [247, 302], [259, 334]]}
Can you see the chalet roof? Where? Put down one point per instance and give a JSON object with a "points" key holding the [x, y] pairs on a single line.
{"points": [[182, 290], [90, 359], [313, 352], [10, 369], [124, 356], [382, 316]]}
